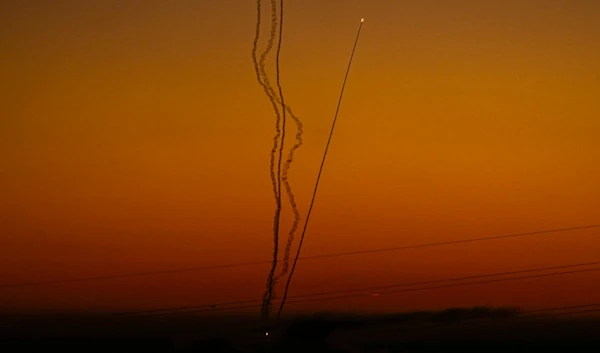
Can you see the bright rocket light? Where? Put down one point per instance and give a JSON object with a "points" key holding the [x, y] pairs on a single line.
{"points": [[362, 20]]}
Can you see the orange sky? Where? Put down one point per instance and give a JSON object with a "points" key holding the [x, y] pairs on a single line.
{"points": [[134, 137]]}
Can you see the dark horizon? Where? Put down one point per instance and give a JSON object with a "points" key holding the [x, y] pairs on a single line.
{"points": [[401, 332]]}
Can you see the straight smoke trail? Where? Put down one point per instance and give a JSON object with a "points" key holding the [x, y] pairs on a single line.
{"points": [[289, 280], [280, 134], [283, 173], [281, 176], [290, 157], [263, 80], [290, 194]]}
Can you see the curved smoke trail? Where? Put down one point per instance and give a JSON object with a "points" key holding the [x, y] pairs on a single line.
{"points": [[268, 295], [282, 172], [263, 80], [290, 158], [291, 197]]}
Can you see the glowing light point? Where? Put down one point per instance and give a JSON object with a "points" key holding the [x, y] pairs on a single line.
{"points": [[362, 20]]}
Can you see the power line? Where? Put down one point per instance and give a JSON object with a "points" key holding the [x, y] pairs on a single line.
{"points": [[371, 288], [568, 313], [222, 306], [312, 257], [312, 201], [561, 308], [450, 242], [136, 274], [348, 296], [198, 309]]}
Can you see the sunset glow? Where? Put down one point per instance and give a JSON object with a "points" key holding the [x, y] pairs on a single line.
{"points": [[135, 139]]}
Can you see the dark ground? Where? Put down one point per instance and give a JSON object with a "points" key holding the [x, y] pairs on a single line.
{"points": [[456, 330]]}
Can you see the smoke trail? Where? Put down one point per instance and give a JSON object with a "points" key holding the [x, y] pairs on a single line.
{"points": [[290, 158], [291, 197], [289, 280], [282, 173], [268, 295], [263, 80]]}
